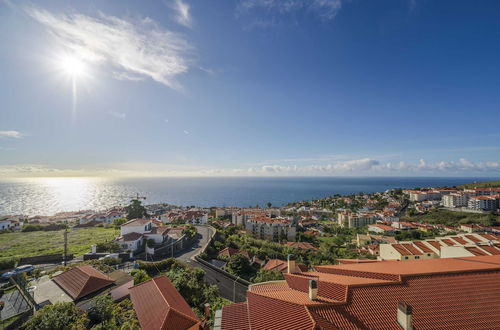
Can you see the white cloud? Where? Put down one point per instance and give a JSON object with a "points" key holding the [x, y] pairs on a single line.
{"points": [[182, 15], [324, 9], [11, 134], [135, 49]]}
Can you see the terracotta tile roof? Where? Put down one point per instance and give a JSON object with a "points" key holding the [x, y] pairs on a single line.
{"points": [[448, 242], [473, 238], [137, 222], [454, 293], [414, 251], [460, 240], [129, 237], [354, 261], [81, 281], [281, 265], [236, 317], [476, 251], [229, 252], [423, 247], [302, 245], [435, 244], [159, 305], [491, 249], [489, 237]]}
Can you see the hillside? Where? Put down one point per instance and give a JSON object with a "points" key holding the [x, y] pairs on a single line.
{"points": [[486, 184]]}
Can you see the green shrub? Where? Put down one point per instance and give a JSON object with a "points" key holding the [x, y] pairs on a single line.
{"points": [[7, 263]]}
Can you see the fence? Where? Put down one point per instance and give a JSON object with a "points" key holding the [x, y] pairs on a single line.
{"points": [[44, 259]]}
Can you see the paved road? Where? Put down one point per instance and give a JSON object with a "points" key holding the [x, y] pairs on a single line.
{"points": [[228, 288]]}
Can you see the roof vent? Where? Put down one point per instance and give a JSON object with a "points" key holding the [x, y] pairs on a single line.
{"points": [[313, 289], [405, 312]]}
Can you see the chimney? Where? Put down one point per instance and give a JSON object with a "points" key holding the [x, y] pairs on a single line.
{"points": [[291, 263], [313, 289], [405, 316], [206, 310]]}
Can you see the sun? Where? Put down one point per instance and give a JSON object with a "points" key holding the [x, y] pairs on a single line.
{"points": [[72, 66]]}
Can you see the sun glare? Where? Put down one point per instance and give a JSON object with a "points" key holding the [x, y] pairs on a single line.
{"points": [[73, 66]]}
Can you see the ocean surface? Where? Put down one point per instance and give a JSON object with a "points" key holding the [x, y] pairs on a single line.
{"points": [[47, 196]]}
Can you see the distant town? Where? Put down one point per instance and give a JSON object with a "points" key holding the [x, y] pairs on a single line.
{"points": [[220, 266]]}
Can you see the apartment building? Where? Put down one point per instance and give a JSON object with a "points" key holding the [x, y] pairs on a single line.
{"points": [[272, 229], [455, 200], [484, 202]]}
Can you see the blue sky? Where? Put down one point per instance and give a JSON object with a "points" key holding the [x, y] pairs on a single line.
{"points": [[250, 87]]}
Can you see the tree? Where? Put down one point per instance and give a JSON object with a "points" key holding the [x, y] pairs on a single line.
{"points": [[108, 247], [135, 210], [140, 276], [107, 315], [118, 222], [60, 316], [239, 265], [269, 204], [264, 275], [190, 231]]}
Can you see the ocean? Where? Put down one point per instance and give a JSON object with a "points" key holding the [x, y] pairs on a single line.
{"points": [[47, 196]]}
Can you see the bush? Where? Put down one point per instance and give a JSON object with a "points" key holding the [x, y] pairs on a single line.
{"points": [[60, 316], [156, 267], [190, 231], [139, 276], [108, 247], [7, 263]]}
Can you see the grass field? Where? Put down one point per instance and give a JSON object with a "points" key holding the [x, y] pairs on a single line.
{"points": [[19, 244], [452, 218], [487, 184]]}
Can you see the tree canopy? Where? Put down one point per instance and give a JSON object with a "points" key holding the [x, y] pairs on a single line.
{"points": [[60, 316], [136, 210]]}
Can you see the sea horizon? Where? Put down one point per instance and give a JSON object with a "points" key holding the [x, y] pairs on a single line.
{"points": [[50, 195]]}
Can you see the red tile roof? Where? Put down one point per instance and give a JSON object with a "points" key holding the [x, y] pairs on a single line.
{"points": [[282, 266], [473, 238], [81, 281], [448, 242], [137, 222], [229, 252], [476, 251], [159, 305], [129, 237], [423, 247], [453, 293], [302, 245], [459, 240]]}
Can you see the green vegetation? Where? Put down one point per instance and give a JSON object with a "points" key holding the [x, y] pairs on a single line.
{"points": [[118, 222], [486, 184], [108, 247], [27, 244], [190, 231], [60, 316], [135, 210], [7, 263], [239, 265], [108, 315], [139, 276], [189, 282], [267, 275], [452, 218]]}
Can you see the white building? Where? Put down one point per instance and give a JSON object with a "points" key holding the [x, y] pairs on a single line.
{"points": [[484, 202], [455, 200], [273, 229]]}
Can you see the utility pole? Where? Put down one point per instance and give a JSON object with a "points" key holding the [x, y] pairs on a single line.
{"points": [[65, 244]]}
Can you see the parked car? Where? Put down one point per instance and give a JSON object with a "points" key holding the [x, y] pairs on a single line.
{"points": [[111, 255], [8, 275], [24, 269]]}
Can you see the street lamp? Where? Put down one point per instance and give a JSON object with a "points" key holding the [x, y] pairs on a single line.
{"points": [[234, 288]]}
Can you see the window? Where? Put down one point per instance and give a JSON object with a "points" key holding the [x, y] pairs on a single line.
{"points": [[406, 258], [417, 257]]}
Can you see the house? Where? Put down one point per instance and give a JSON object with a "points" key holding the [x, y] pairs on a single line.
{"points": [[10, 224], [159, 306], [302, 246], [284, 266], [405, 251], [420, 294], [381, 229], [193, 216], [79, 284], [229, 252], [131, 241]]}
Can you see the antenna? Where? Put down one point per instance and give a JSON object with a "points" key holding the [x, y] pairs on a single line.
{"points": [[137, 197]]}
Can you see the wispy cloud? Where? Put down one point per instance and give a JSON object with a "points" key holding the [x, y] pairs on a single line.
{"points": [[135, 49], [269, 10], [11, 134], [182, 15]]}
